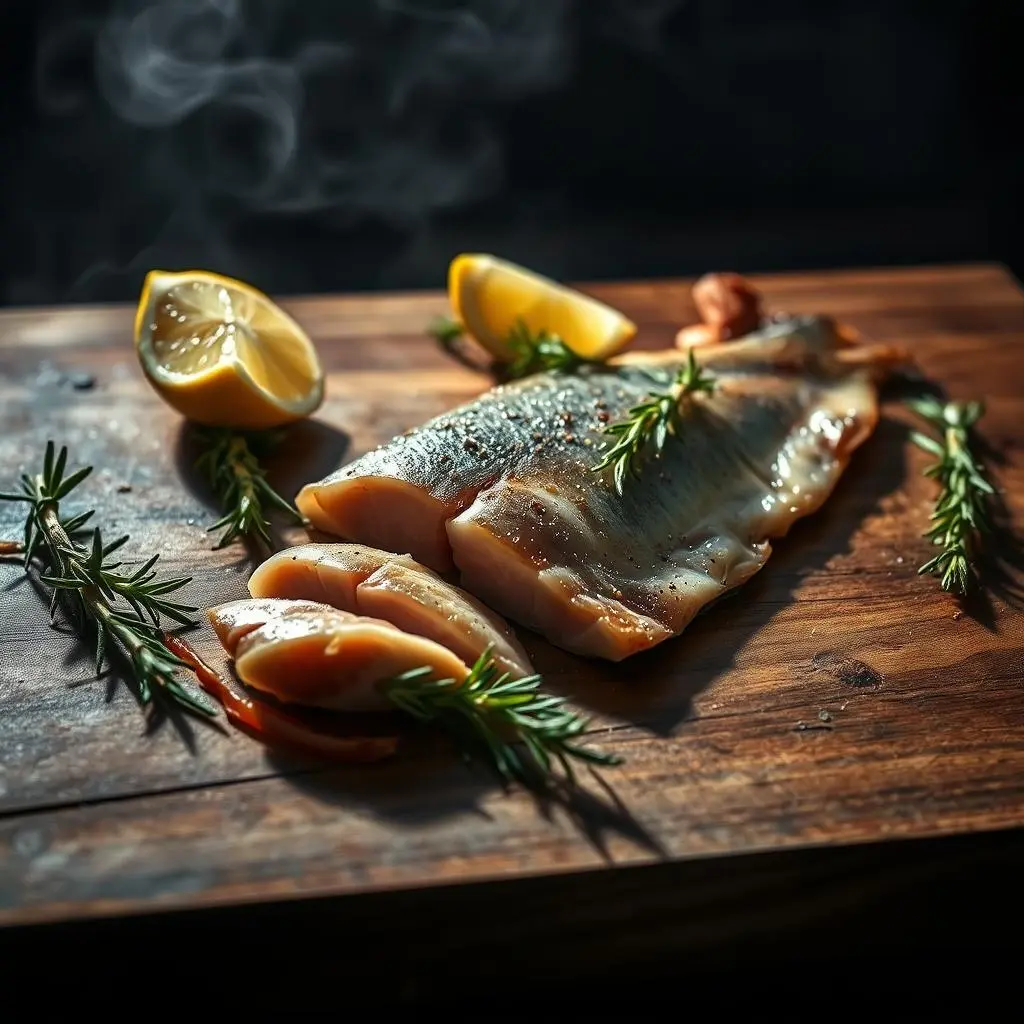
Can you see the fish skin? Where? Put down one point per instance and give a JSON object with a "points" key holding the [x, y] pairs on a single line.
{"points": [[502, 490], [393, 587]]}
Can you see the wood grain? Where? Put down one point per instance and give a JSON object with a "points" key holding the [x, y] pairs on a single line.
{"points": [[838, 698]]}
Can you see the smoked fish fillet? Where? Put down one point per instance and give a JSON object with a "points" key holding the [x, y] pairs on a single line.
{"points": [[395, 588], [303, 652], [501, 493]]}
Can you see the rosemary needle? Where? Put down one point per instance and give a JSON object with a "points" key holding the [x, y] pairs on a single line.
{"points": [[518, 731], [648, 425], [535, 352], [232, 466], [445, 331], [530, 351], [960, 514], [118, 608]]}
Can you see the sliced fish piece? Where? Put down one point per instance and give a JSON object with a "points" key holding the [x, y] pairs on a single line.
{"points": [[327, 658], [396, 588], [236, 619], [502, 490]]}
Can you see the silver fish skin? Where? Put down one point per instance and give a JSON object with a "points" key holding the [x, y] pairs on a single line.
{"points": [[503, 493]]}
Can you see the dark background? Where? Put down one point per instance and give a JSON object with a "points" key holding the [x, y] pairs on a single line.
{"points": [[322, 145], [358, 144]]}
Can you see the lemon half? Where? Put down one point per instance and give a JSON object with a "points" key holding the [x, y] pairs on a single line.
{"points": [[223, 354], [488, 295]]}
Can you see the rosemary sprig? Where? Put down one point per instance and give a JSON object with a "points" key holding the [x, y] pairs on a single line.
{"points": [[960, 515], [104, 601], [518, 731], [530, 352], [445, 331], [649, 424], [240, 483], [535, 353]]}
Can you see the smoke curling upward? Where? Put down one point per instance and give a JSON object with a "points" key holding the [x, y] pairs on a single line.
{"points": [[380, 120], [201, 123]]}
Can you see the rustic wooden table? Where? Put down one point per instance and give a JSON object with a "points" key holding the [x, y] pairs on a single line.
{"points": [[838, 701]]}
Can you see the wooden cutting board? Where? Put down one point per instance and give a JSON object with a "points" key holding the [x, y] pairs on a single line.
{"points": [[838, 698]]}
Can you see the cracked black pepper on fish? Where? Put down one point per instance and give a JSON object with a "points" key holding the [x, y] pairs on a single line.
{"points": [[500, 494]]}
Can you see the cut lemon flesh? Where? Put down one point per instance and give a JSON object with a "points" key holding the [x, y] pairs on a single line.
{"points": [[489, 295], [223, 354]]}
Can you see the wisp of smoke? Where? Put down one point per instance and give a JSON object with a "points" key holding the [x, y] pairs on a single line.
{"points": [[355, 110], [399, 137]]}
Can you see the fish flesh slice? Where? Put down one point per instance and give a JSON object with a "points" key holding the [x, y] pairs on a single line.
{"points": [[369, 581], [502, 490], [305, 653], [236, 619]]}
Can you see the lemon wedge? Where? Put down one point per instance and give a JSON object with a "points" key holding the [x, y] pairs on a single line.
{"points": [[489, 295], [223, 354]]}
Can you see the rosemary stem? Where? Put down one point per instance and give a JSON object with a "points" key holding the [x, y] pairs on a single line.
{"points": [[245, 496], [90, 587], [96, 605], [238, 456], [953, 440], [57, 540], [520, 732], [648, 426], [49, 517], [959, 514]]}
